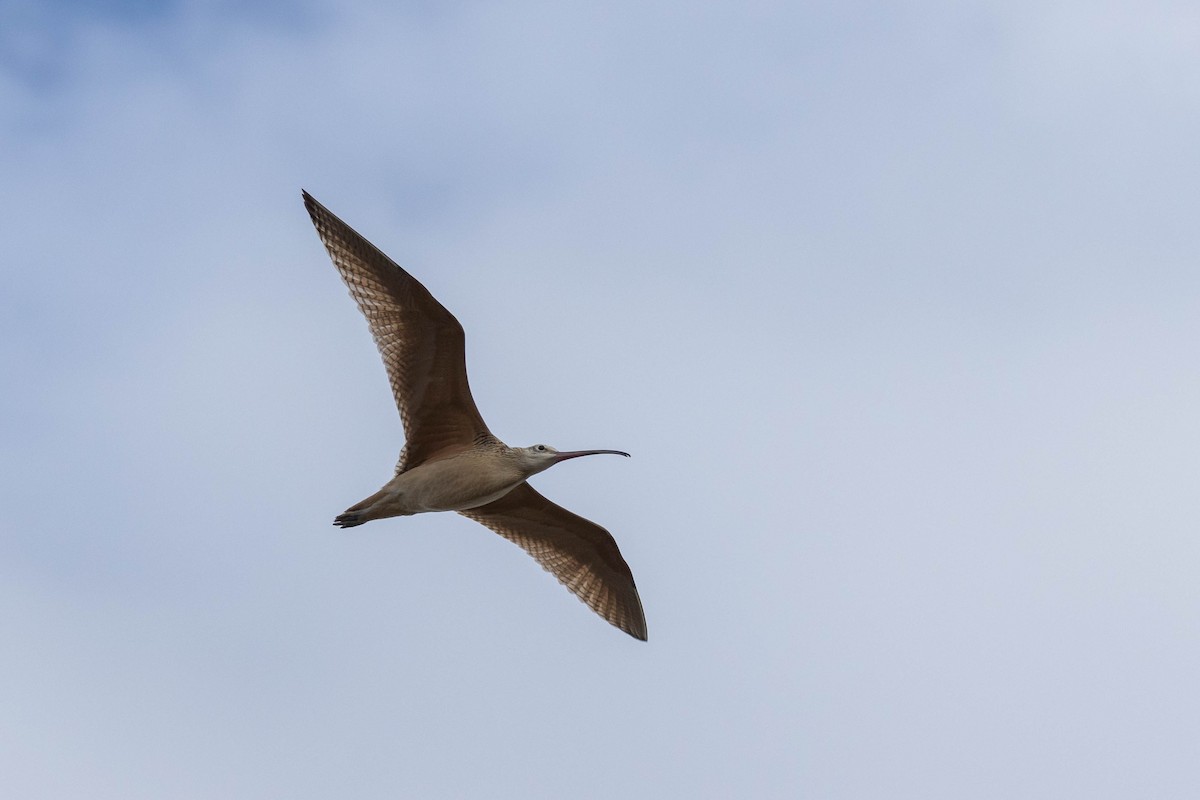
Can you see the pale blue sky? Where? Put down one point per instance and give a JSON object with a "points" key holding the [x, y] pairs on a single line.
{"points": [[895, 305]]}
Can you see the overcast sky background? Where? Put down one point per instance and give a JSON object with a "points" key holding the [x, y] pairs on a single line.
{"points": [[895, 305]]}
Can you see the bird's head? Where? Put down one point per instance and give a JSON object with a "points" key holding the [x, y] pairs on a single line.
{"points": [[540, 457]]}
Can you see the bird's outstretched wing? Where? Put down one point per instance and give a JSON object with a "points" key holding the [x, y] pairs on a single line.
{"points": [[422, 344], [582, 555]]}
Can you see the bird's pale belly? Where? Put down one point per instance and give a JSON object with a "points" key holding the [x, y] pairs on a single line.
{"points": [[454, 484]]}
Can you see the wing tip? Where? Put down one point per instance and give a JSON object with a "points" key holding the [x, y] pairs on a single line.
{"points": [[636, 625], [310, 202]]}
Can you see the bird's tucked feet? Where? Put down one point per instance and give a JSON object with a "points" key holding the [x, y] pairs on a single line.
{"points": [[348, 520]]}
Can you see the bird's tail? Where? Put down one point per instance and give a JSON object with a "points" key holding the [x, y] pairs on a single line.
{"points": [[377, 506]]}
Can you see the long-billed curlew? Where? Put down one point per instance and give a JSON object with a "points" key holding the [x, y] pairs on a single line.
{"points": [[450, 460]]}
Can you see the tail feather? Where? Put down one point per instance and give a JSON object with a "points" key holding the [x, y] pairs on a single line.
{"points": [[349, 519]]}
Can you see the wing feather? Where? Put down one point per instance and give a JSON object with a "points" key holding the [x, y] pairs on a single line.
{"points": [[421, 343], [581, 554]]}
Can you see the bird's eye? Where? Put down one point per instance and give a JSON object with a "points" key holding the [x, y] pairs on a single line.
{"points": [[541, 448]]}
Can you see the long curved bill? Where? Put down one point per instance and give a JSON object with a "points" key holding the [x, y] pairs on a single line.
{"points": [[563, 456]]}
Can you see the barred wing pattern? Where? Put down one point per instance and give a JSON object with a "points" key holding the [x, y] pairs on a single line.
{"points": [[582, 555], [422, 344]]}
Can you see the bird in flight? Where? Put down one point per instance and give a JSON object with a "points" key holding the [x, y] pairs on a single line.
{"points": [[450, 460]]}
